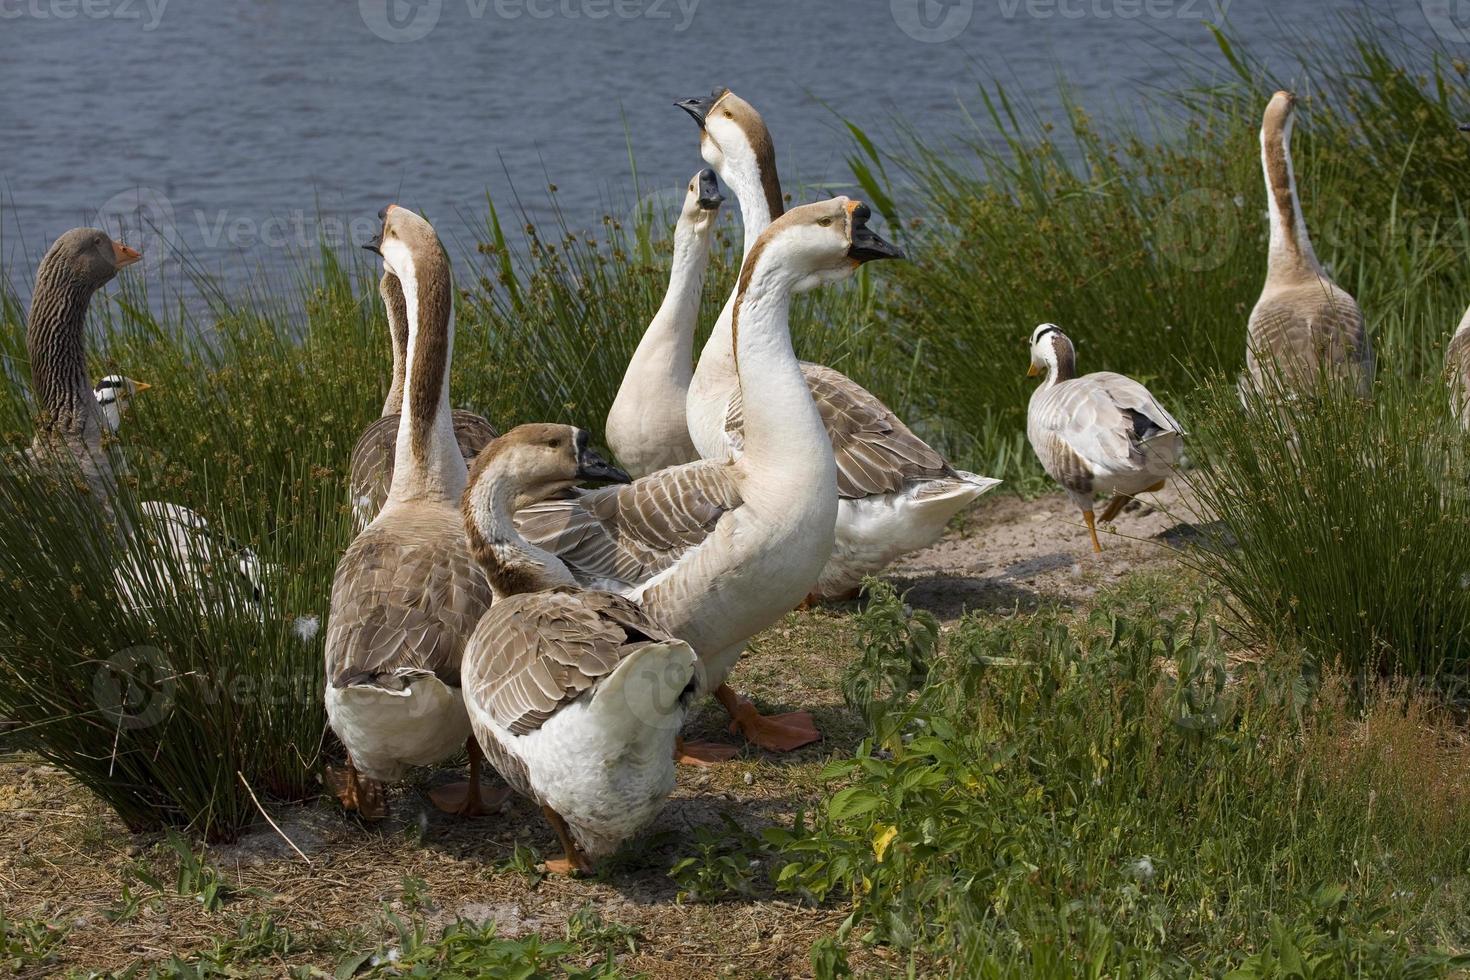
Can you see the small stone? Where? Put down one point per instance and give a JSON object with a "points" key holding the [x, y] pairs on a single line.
{"points": [[749, 778]]}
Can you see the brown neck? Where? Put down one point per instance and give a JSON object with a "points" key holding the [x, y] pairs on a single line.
{"points": [[430, 351], [1291, 256], [1065, 360], [397, 311], [56, 345]]}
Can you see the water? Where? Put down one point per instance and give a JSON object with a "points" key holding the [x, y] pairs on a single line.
{"points": [[227, 129]]}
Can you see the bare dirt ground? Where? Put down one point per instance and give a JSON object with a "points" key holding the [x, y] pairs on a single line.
{"points": [[64, 858]]}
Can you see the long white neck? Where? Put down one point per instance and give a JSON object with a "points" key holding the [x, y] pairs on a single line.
{"points": [[787, 454], [427, 461], [714, 378], [648, 412], [512, 564], [1291, 256]]}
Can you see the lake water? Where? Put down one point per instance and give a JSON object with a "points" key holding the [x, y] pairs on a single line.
{"points": [[229, 129]]}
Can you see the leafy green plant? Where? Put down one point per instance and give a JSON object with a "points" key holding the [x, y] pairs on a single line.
{"points": [[729, 862], [895, 645], [26, 944]]}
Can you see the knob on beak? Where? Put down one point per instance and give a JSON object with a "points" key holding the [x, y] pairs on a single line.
{"points": [[710, 198], [866, 245], [591, 466], [699, 107]]}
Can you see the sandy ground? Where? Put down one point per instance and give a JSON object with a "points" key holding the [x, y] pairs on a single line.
{"points": [[64, 858]]}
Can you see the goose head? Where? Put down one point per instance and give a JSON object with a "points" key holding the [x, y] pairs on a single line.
{"points": [[87, 258], [536, 462], [1051, 351], [820, 243], [734, 140], [407, 243], [1280, 112], [113, 394], [702, 202]]}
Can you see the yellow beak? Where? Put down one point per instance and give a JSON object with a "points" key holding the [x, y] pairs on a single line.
{"points": [[141, 386], [1032, 371]]}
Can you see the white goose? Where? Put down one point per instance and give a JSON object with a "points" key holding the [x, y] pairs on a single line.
{"points": [[407, 594], [897, 493], [1304, 326], [717, 550], [576, 697], [646, 429], [371, 467], [71, 421], [1101, 433]]}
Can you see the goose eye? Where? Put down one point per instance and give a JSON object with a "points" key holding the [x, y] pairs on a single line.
{"points": [[825, 222], [729, 114]]}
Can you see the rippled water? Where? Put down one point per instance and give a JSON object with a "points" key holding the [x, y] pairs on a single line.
{"points": [[235, 126]]}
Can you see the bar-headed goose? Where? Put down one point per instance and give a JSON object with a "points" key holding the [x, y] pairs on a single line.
{"points": [[371, 469], [1304, 327], [897, 493], [408, 593], [72, 417], [576, 697], [1101, 433], [717, 550], [646, 428]]}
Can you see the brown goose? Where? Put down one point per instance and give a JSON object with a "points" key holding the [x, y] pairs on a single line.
{"points": [[717, 550], [407, 594], [896, 492], [576, 697], [1304, 327], [1099, 433], [371, 469]]}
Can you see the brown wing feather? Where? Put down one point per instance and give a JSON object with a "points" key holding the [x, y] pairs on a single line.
{"points": [[1307, 329], [631, 533], [371, 469], [406, 596], [538, 651], [875, 452]]}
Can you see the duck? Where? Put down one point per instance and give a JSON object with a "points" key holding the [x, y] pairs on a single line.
{"points": [[1304, 327], [576, 697], [719, 549], [74, 419], [1100, 433], [407, 593], [646, 429], [897, 494], [370, 470]]}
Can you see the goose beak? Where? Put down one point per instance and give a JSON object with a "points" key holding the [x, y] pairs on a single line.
{"points": [[375, 244], [866, 245], [710, 198], [697, 107], [140, 386], [591, 466], [1033, 371], [123, 256], [1464, 127]]}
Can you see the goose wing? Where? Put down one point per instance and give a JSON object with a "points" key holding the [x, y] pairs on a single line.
{"points": [[628, 534], [1307, 329], [404, 601], [1105, 420], [875, 452], [370, 471], [539, 651]]}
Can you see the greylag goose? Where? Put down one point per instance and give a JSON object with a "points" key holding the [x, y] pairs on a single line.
{"points": [[646, 429], [1099, 433], [407, 594], [896, 492], [576, 697]]}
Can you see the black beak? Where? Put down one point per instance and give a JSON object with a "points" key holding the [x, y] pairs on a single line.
{"points": [[710, 198], [699, 107], [591, 466], [866, 245], [1465, 127], [374, 244]]}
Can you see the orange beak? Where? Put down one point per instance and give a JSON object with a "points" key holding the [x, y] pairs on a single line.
{"points": [[1033, 371], [140, 386], [123, 256]]}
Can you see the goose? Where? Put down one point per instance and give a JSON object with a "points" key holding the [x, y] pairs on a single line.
{"points": [[575, 697], [407, 593], [1457, 370], [1098, 434], [72, 418], [646, 428], [1304, 327], [371, 467], [719, 549], [897, 493]]}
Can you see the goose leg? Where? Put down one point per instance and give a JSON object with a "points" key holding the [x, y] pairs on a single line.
{"points": [[573, 860], [469, 799], [702, 753], [1119, 501], [358, 794], [1092, 530], [775, 733]]}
